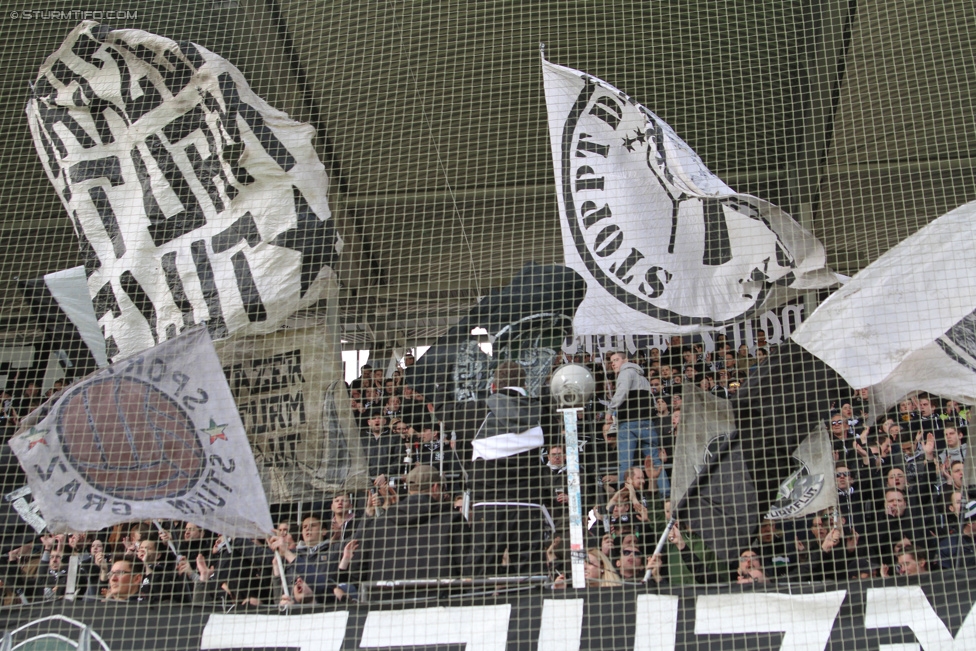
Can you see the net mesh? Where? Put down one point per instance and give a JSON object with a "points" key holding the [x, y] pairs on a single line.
{"points": [[397, 296]]}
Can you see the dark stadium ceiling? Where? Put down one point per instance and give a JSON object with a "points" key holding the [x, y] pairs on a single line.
{"points": [[856, 117]]}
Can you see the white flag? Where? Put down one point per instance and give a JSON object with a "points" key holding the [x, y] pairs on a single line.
{"points": [[154, 436], [193, 199], [906, 322], [664, 245]]}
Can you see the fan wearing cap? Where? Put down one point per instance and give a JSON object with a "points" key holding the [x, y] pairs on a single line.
{"points": [[958, 551]]}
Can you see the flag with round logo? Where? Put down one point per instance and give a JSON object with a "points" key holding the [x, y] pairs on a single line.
{"points": [[665, 246], [157, 435]]}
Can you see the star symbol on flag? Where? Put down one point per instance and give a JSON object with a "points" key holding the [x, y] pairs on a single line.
{"points": [[641, 136], [35, 436], [629, 143], [216, 431], [314, 238]]}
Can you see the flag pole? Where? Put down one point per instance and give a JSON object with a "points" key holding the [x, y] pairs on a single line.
{"points": [[577, 550], [169, 543], [281, 572], [691, 492]]}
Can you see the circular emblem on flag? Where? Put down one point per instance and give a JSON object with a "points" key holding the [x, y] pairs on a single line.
{"points": [[130, 440], [796, 492], [654, 227]]}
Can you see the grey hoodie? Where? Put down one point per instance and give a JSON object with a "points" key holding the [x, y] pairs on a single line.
{"points": [[632, 398]]}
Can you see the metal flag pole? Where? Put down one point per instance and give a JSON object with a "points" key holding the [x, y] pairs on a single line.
{"points": [[577, 551], [281, 572]]}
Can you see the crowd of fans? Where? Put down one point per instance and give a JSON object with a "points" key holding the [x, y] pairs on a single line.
{"points": [[415, 531]]}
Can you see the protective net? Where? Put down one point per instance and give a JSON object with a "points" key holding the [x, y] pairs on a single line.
{"points": [[590, 325]]}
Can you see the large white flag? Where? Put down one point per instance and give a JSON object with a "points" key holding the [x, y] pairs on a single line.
{"points": [[906, 322], [664, 245], [193, 199], [154, 436]]}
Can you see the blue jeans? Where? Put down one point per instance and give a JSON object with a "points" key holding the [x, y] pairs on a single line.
{"points": [[634, 434]]}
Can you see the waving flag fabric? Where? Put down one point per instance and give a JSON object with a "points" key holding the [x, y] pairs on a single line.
{"points": [[907, 321], [193, 199], [664, 245], [154, 436]]}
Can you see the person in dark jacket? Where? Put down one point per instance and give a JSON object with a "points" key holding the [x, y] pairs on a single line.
{"points": [[382, 447], [958, 551], [503, 437], [421, 538]]}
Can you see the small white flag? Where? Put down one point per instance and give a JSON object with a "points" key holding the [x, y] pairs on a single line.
{"points": [[812, 486], [664, 245], [154, 436]]}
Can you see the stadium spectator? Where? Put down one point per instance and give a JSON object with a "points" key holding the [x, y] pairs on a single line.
{"points": [[895, 523], [599, 570], [51, 572], [929, 418], [623, 518], [342, 524], [912, 562], [633, 407], [358, 405], [125, 579], [316, 584], [958, 551], [503, 437], [708, 382], [381, 497], [847, 413], [907, 414], [761, 355], [422, 538], [744, 360], [365, 378], [954, 477], [750, 568], [953, 412], [853, 502], [631, 565], [158, 572], [391, 406], [687, 559], [137, 532], [381, 447], [955, 449], [771, 544], [860, 402], [428, 451], [843, 448], [947, 521], [414, 409], [830, 549]]}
